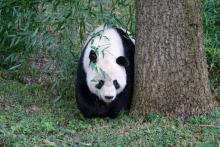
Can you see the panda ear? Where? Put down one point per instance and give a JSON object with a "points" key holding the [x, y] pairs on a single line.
{"points": [[123, 61], [93, 56]]}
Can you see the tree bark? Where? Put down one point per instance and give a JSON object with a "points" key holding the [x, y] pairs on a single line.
{"points": [[171, 74]]}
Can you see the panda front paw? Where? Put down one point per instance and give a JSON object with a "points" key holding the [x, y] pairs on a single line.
{"points": [[113, 114], [88, 115]]}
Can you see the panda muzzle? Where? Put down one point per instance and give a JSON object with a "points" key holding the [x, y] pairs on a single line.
{"points": [[109, 97]]}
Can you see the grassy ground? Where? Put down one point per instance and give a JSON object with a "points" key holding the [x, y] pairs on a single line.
{"points": [[30, 117]]}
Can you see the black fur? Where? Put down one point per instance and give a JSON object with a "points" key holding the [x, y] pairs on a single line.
{"points": [[89, 104], [123, 61], [93, 56]]}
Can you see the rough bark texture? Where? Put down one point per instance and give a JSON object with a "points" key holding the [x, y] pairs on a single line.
{"points": [[170, 67]]}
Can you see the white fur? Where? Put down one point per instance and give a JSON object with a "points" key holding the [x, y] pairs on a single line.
{"points": [[110, 44]]}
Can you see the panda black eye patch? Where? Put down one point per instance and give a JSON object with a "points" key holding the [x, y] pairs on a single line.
{"points": [[100, 84], [115, 82], [93, 56], [123, 61]]}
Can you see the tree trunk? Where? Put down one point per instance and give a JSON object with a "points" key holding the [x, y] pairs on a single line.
{"points": [[171, 74]]}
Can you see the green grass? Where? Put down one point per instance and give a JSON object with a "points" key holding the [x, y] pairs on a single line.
{"points": [[211, 21], [29, 116]]}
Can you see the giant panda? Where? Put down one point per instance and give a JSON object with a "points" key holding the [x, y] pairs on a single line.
{"points": [[104, 82]]}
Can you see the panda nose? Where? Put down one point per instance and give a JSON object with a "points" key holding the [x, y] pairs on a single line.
{"points": [[108, 97]]}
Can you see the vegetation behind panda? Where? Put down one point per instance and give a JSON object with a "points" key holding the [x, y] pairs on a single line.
{"points": [[104, 81]]}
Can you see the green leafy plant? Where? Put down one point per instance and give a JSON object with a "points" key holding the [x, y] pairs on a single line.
{"points": [[211, 24], [18, 31]]}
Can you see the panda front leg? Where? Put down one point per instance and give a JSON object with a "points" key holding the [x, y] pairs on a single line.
{"points": [[114, 111], [89, 107], [122, 103], [91, 111]]}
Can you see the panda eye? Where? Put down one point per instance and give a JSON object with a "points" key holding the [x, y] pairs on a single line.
{"points": [[100, 84], [115, 82]]}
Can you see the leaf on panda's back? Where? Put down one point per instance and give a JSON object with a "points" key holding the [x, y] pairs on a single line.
{"points": [[94, 48], [93, 66], [92, 41], [96, 69], [105, 50], [106, 38], [98, 93], [97, 34], [103, 38], [93, 35], [100, 48], [104, 74], [103, 54]]}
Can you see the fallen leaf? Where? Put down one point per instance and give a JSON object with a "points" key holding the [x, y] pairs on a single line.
{"points": [[34, 109]]}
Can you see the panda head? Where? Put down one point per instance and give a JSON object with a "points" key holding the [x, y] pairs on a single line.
{"points": [[108, 77]]}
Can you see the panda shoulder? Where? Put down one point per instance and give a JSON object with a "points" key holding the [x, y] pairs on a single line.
{"points": [[128, 33]]}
